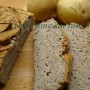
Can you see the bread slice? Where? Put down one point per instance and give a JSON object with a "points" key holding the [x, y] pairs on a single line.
{"points": [[12, 39], [52, 60], [80, 49]]}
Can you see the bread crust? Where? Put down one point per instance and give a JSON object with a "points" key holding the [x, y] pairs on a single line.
{"points": [[66, 56]]}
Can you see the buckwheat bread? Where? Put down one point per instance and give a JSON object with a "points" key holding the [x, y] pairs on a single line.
{"points": [[52, 60], [80, 49]]}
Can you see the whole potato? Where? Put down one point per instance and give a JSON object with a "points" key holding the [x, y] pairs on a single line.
{"points": [[42, 9], [77, 11]]}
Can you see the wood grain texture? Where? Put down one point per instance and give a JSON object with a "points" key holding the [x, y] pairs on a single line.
{"points": [[14, 3], [21, 77]]}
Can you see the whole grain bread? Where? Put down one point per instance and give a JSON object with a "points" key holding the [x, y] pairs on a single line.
{"points": [[52, 60], [80, 49]]}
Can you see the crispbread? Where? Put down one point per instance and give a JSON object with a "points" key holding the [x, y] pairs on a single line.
{"points": [[22, 15], [8, 34], [14, 16], [52, 60], [2, 55], [7, 15], [4, 26], [2, 48]]}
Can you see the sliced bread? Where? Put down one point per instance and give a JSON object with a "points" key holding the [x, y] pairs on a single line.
{"points": [[80, 49], [52, 60]]}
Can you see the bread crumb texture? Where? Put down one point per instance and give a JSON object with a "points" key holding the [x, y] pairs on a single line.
{"points": [[51, 63], [80, 49]]}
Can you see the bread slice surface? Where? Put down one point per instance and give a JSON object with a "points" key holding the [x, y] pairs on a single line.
{"points": [[52, 60], [80, 49]]}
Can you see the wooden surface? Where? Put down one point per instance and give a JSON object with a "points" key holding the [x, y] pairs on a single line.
{"points": [[22, 74], [14, 3]]}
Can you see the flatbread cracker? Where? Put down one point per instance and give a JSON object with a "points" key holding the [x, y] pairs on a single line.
{"points": [[8, 34], [2, 48], [7, 15], [4, 26], [22, 15]]}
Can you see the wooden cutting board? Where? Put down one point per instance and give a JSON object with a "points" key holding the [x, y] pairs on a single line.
{"points": [[22, 74]]}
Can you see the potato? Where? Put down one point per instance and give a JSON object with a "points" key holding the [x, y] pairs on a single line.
{"points": [[42, 9], [77, 11]]}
